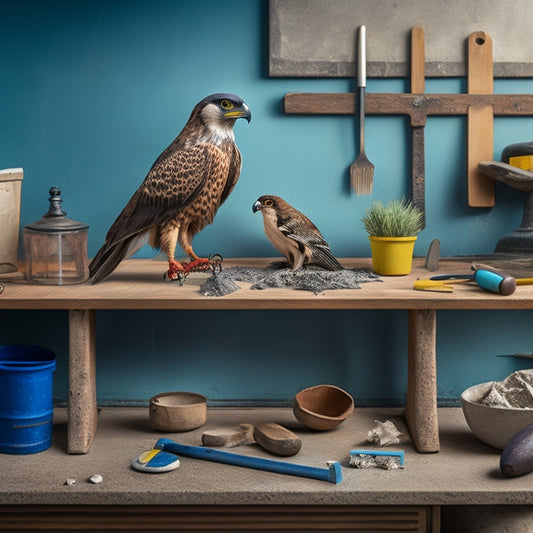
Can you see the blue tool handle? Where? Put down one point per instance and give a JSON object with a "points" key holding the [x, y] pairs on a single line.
{"points": [[495, 282], [332, 474], [384, 453], [449, 277]]}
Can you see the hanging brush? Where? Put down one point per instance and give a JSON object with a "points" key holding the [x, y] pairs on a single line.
{"points": [[361, 170]]}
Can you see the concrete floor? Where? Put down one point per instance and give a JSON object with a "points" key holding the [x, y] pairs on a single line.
{"points": [[464, 473]]}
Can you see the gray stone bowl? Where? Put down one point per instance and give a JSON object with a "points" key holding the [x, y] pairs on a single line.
{"points": [[492, 425]]}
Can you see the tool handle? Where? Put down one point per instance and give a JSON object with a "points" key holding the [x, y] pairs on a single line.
{"points": [[332, 474], [524, 281], [361, 57], [452, 277], [495, 282]]}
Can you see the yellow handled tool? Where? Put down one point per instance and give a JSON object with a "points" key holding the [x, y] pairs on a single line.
{"points": [[486, 278], [437, 285]]}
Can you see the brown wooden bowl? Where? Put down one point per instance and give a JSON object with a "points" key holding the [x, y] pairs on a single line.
{"points": [[178, 411], [322, 407]]}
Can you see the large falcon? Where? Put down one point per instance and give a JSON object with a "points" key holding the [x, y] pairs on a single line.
{"points": [[294, 235], [182, 191]]}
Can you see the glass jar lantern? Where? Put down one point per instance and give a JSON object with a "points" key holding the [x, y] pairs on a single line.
{"points": [[55, 247]]}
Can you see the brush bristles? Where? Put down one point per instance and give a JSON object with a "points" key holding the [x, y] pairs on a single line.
{"points": [[362, 179]]}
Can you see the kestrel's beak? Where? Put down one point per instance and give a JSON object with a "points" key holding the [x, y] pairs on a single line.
{"points": [[244, 112], [257, 206]]}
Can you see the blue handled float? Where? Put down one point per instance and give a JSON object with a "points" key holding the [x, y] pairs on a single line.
{"points": [[333, 473]]}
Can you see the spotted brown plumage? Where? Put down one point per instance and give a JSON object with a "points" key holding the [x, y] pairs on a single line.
{"points": [[182, 191], [294, 235]]}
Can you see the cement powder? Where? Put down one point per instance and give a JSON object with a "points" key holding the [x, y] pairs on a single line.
{"points": [[310, 279], [516, 390]]}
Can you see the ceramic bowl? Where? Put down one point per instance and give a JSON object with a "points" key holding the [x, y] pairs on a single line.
{"points": [[492, 425], [322, 407], [178, 411]]}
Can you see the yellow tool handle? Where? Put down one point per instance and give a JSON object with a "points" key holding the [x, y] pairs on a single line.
{"points": [[437, 285]]}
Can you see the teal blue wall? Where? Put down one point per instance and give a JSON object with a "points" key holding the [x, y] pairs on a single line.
{"points": [[91, 93]]}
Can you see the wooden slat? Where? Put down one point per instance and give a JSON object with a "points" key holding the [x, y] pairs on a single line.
{"points": [[480, 120], [418, 166], [407, 104], [137, 284], [480, 148], [418, 79], [215, 518]]}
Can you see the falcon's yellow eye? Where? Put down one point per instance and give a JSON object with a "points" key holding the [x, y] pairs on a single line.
{"points": [[269, 203], [226, 104]]}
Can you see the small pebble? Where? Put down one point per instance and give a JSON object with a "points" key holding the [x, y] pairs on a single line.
{"points": [[96, 479], [70, 481]]}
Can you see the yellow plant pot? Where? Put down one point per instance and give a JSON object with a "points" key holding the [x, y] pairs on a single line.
{"points": [[392, 256]]}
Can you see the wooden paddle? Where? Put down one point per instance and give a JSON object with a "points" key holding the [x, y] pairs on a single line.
{"points": [[277, 439], [272, 437], [480, 120], [228, 437]]}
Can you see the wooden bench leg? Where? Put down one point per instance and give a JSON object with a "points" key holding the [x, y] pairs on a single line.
{"points": [[82, 408], [421, 402]]}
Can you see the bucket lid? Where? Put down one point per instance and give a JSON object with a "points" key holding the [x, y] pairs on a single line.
{"points": [[26, 357]]}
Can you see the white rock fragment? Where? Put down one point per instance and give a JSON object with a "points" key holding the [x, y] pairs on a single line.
{"points": [[516, 390], [384, 434], [96, 479], [70, 481], [368, 461]]}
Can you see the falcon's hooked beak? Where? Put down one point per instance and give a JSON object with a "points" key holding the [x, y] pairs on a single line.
{"points": [[257, 206], [243, 112]]}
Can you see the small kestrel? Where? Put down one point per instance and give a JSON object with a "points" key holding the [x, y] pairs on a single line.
{"points": [[294, 235]]}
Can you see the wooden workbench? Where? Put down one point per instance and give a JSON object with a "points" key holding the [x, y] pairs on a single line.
{"points": [[138, 285]]}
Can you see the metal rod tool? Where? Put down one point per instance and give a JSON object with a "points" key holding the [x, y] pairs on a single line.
{"points": [[332, 474]]}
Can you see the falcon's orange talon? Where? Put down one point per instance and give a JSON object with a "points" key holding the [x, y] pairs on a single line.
{"points": [[198, 265], [175, 272], [179, 271], [202, 264]]}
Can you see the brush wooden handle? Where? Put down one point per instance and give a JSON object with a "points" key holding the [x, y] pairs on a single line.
{"points": [[361, 57]]}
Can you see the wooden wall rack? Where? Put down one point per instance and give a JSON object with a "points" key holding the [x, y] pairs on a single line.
{"points": [[478, 105]]}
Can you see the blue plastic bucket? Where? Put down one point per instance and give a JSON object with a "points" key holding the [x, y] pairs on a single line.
{"points": [[26, 407]]}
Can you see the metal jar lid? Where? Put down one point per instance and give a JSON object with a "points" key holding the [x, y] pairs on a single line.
{"points": [[55, 220]]}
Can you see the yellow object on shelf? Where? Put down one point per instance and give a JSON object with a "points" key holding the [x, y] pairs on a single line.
{"points": [[437, 285], [392, 256], [525, 162]]}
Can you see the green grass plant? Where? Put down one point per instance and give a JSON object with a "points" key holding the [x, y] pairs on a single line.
{"points": [[398, 218]]}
